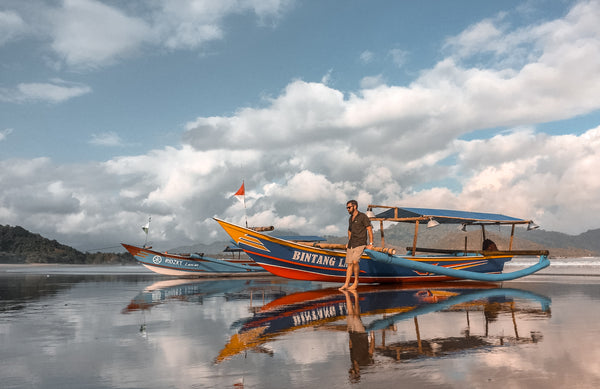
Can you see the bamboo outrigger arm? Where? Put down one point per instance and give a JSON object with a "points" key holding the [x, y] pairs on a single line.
{"points": [[339, 246]]}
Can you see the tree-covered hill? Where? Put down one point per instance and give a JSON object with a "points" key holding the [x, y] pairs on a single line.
{"points": [[17, 245]]}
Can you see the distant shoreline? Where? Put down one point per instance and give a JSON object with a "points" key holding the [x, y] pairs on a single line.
{"points": [[66, 268]]}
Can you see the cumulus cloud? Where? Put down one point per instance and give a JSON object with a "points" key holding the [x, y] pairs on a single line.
{"points": [[88, 33], [312, 147], [55, 91]]}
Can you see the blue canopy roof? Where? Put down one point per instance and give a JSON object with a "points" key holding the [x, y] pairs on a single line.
{"points": [[445, 216]]}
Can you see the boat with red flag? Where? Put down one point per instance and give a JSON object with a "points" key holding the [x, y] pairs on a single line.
{"points": [[318, 261]]}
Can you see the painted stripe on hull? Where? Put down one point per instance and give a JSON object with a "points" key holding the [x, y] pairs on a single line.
{"points": [[315, 273], [168, 271], [313, 276]]}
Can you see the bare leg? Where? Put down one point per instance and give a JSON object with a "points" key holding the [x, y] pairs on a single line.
{"points": [[355, 270], [348, 275]]}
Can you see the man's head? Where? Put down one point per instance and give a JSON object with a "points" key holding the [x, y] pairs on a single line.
{"points": [[352, 206]]}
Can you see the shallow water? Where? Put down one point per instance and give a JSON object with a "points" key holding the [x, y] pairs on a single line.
{"points": [[122, 327]]}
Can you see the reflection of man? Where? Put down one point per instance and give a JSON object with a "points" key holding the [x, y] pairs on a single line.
{"points": [[361, 350], [359, 226]]}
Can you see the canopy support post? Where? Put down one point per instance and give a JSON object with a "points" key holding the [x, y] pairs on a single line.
{"points": [[414, 248], [512, 235]]}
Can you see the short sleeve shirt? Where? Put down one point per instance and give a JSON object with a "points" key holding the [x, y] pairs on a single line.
{"points": [[358, 230]]}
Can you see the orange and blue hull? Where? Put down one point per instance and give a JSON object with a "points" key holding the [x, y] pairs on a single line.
{"points": [[302, 262]]}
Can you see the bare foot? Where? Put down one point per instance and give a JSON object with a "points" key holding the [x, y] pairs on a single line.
{"points": [[343, 287], [353, 287]]}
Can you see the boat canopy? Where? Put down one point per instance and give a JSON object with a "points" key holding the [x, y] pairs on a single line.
{"points": [[442, 216]]}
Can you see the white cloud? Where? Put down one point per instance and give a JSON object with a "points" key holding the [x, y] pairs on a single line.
{"points": [[367, 56], [398, 57], [56, 91], [110, 139], [88, 33], [371, 82], [12, 26], [5, 133]]}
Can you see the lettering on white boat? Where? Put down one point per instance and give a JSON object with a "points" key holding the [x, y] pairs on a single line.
{"points": [[172, 261], [317, 259], [157, 259], [317, 314]]}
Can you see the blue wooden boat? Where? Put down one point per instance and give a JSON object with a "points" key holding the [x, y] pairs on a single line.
{"points": [[326, 262], [195, 265]]}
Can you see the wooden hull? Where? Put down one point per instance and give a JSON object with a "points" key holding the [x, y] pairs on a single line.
{"points": [[302, 262], [196, 266]]}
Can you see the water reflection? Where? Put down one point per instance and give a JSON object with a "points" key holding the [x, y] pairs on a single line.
{"points": [[196, 290], [372, 314], [361, 343], [19, 290]]}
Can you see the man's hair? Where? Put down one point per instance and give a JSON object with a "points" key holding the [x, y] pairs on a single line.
{"points": [[353, 202]]}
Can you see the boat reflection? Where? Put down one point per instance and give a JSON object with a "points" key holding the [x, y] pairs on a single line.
{"points": [[196, 290], [372, 314]]}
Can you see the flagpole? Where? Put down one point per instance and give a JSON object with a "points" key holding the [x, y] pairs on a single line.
{"points": [[146, 228], [244, 198], [242, 192]]}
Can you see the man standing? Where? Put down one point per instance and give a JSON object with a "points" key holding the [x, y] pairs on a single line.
{"points": [[359, 226]]}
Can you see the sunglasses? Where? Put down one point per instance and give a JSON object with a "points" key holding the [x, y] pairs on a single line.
{"points": [[350, 207]]}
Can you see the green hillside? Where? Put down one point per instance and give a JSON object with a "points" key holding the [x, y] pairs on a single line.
{"points": [[17, 245]]}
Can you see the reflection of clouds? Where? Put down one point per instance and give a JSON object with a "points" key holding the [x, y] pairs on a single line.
{"points": [[79, 335], [314, 347]]}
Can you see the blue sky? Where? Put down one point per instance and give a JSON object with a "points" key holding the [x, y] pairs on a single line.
{"points": [[111, 112]]}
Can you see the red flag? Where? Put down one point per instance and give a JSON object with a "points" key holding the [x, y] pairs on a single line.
{"points": [[241, 191]]}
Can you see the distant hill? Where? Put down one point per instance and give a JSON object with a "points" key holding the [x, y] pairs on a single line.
{"points": [[400, 236], [17, 245]]}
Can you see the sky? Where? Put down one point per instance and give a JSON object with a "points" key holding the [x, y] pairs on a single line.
{"points": [[115, 112]]}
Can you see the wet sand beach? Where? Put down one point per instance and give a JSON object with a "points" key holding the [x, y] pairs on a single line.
{"points": [[126, 327]]}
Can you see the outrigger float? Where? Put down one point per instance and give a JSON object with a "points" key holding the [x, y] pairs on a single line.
{"points": [[319, 261]]}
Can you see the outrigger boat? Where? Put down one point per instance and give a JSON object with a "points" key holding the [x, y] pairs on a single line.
{"points": [[326, 262], [195, 265]]}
